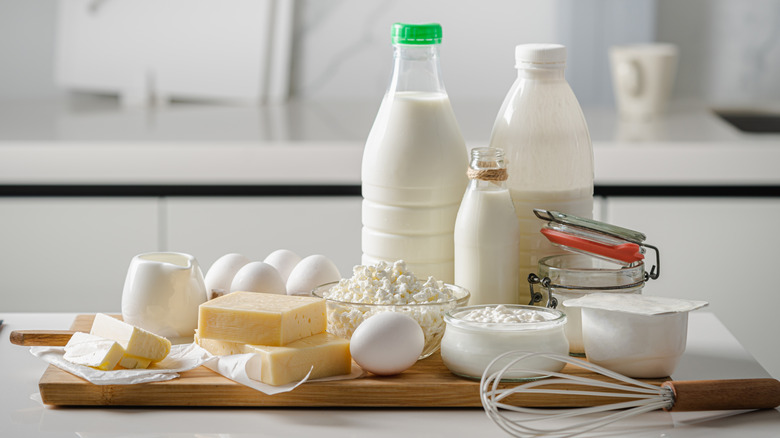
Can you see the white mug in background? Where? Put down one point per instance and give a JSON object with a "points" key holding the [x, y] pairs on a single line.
{"points": [[162, 293], [642, 78]]}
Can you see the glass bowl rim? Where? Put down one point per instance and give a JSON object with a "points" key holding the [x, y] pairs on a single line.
{"points": [[464, 294], [453, 317]]}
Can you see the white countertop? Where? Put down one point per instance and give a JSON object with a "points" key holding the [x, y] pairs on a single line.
{"points": [[712, 353], [94, 141]]}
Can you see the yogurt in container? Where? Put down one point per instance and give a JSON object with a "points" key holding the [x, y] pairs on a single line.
{"points": [[476, 335], [635, 335]]}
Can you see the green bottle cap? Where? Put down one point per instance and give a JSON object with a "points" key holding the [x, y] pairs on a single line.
{"points": [[403, 33]]}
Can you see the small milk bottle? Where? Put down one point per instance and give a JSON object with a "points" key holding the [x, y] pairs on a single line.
{"points": [[548, 150], [487, 233], [413, 163]]}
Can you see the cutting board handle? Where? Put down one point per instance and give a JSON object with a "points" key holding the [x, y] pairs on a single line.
{"points": [[43, 338]]}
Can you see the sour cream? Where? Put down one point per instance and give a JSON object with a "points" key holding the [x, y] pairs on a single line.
{"points": [[476, 335]]}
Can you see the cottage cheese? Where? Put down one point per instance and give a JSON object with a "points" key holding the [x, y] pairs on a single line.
{"points": [[389, 287], [387, 283]]}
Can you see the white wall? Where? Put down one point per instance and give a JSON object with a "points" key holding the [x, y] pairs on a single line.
{"points": [[342, 48], [730, 48], [27, 49], [588, 29]]}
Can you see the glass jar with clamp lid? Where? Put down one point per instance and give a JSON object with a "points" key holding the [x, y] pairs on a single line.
{"points": [[604, 258]]}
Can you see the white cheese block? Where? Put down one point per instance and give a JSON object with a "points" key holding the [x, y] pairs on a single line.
{"points": [[324, 354], [93, 351], [137, 342]]}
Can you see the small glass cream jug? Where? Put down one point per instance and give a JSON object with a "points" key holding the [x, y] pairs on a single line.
{"points": [[162, 293]]}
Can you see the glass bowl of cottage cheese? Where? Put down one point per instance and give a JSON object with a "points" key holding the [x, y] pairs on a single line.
{"points": [[390, 287]]}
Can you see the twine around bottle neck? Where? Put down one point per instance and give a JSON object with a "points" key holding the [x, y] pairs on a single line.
{"points": [[499, 174]]}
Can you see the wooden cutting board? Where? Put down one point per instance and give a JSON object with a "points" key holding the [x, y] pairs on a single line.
{"points": [[428, 384]]}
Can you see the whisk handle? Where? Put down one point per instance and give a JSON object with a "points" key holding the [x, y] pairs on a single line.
{"points": [[716, 395]]}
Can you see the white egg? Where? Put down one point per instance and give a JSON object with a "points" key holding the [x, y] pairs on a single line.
{"points": [[311, 272], [387, 343], [258, 277], [220, 274], [284, 261]]}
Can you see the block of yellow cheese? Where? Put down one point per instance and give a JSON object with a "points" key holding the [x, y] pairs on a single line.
{"points": [[260, 318], [137, 342], [93, 351], [324, 354]]}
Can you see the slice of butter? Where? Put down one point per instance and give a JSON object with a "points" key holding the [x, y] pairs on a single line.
{"points": [[260, 318], [136, 341], [93, 351], [133, 362], [324, 354]]}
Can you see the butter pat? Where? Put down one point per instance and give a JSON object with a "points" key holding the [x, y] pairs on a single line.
{"points": [[260, 318], [93, 351], [132, 362], [137, 342], [324, 354]]}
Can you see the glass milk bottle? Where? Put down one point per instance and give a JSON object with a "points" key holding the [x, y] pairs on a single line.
{"points": [[412, 172], [487, 233], [549, 155]]}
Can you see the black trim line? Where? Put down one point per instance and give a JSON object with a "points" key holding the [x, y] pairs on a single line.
{"points": [[75, 190], [747, 191], [178, 190]]}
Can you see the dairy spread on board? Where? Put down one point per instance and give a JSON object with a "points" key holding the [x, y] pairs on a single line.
{"points": [[261, 319], [387, 284], [323, 355], [137, 342], [478, 334]]}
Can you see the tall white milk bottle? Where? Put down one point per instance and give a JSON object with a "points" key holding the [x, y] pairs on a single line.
{"points": [[487, 234], [413, 171], [548, 150]]}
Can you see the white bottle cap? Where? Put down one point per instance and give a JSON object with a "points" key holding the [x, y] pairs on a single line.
{"points": [[549, 54]]}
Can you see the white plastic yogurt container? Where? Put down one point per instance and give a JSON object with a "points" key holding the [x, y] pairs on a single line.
{"points": [[476, 335], [635, 335]]}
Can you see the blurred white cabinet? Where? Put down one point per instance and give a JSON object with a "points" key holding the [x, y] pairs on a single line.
{"points": [[211, 227], [721, 250], [71, 254]]}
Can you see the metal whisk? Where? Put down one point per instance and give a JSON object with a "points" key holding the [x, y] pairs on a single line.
{"points": [[638, 397]]}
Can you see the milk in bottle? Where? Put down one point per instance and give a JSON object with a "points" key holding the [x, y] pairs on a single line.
{"points": [[487, 234], [413, 164], [548, 150]]}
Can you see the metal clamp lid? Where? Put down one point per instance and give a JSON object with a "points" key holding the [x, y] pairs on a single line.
{"points": [[537, 297], [598, 239]]}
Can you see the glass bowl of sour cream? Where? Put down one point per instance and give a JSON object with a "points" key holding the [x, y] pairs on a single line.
{"points": [[475, 335]]}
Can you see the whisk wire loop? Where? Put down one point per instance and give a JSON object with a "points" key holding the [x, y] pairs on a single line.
{"points": [[644, 397], [630, 391], [523, 427], [502, 394]]}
